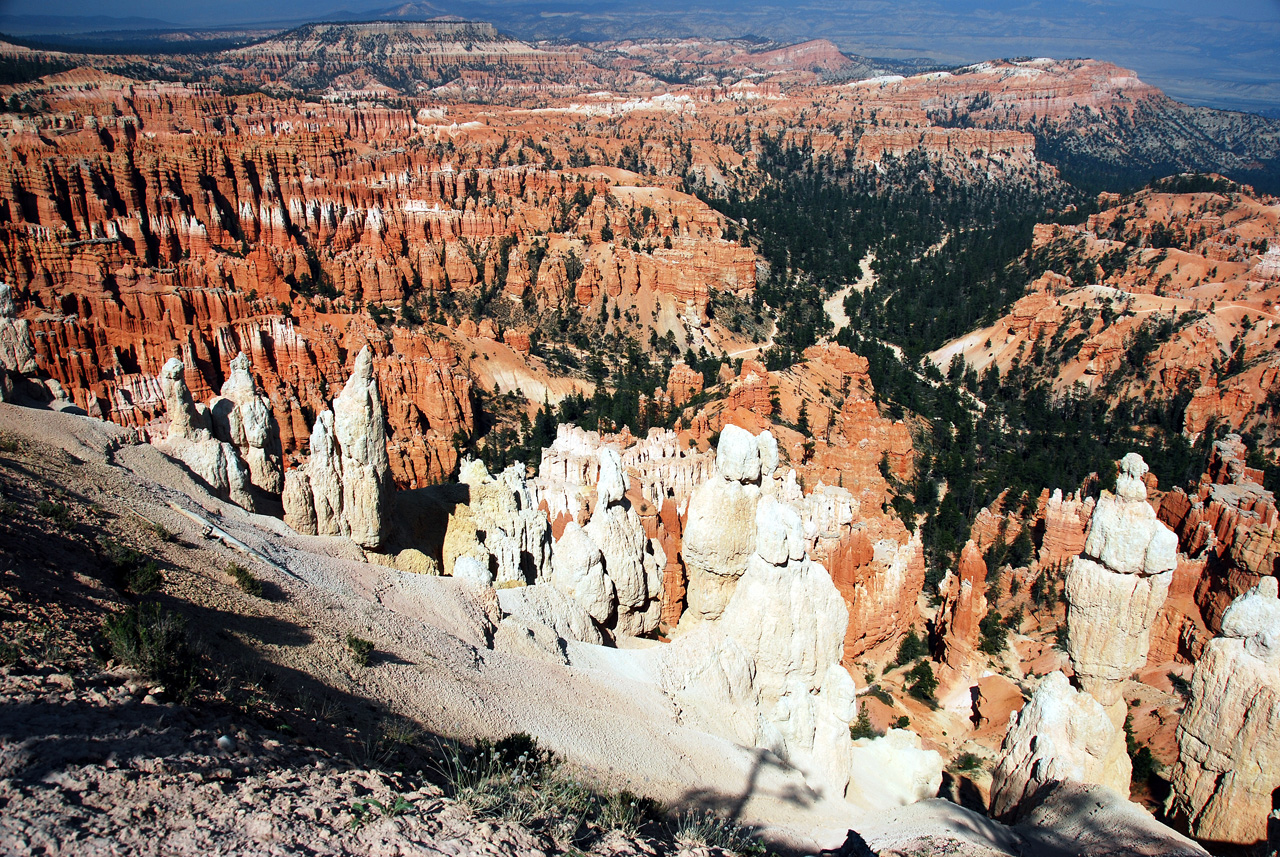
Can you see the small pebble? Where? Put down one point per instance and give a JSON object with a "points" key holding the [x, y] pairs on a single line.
{"points": [[226, 743]]}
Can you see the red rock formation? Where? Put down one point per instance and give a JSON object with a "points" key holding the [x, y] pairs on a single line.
{"points": [[964, 604], [1229, 524], [683, 383]]}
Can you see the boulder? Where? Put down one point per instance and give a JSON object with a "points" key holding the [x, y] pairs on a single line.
{"points": [[1061, 734], [577, 570], [893, 770], [547, 605]]}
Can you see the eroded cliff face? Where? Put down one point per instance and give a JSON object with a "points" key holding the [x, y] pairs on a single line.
{"points": [[1227, 526], [1160, 294], [1229, 737]]}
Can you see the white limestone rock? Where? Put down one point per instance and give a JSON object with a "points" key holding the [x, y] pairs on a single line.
{"points": [[577, 570], [1115, 589], [358, 423], [1228, 764], [242, 417], [718, 538], [1061, 734], [893, 770], [191, 441], [473, 570], [348, 474], [738, 455], [500, 520], [17, 354], [547, 605]]}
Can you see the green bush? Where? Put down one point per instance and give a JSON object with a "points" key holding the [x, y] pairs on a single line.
{"points": [[153, 641], [911, 647], [902, 722], [246, 581], [921, 682], [135, 571], [59, 513], [965, 763], [880, 693], [1181, 686], [995, 636], [361, 649], [862, 728]]}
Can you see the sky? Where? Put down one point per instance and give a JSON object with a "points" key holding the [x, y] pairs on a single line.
{"points": [[1224, 54]]}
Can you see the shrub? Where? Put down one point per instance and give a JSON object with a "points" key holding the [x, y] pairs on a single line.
{"points": [[910, 648], [921, 682], [153, 641], [965, 763], [59, 513], [361, 649], [880, 693], [1181, 686], [161, 532], [135, 571], [247, 582], [862, 728], [995, 636], [705, 829], [902, 722]]}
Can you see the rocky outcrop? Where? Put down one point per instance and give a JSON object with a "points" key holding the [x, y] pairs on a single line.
{"points": [[344, 487], [577, 570], [499, 527], [1228, 524], [1060, 735], [1228, 766], [1116, 588], [964, 604], [17, 356], [546, 604], [242, 416], [633, 562], [720, 534], [190, 439]]}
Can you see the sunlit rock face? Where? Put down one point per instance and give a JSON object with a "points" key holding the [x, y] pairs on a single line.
{"points": [[1116, 588], [1228, 766], [345, 485]]}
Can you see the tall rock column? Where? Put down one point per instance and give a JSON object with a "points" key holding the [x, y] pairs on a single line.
{"points": [[1228, 767], [191, 440], [1116, 588], [345, 486], [242, 417], [721, 532], [963, 607]]}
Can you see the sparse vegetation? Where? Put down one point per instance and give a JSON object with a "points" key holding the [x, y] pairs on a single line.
{"points": [[247, 582], [1181, 686], [361, 650], [153, 641], [965, 763], [135, 572], [995, 633], [862, 728], [911, 648], [57, 512]]}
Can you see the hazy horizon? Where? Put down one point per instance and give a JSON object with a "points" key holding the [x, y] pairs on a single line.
{"points": [[1226, 59]]}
